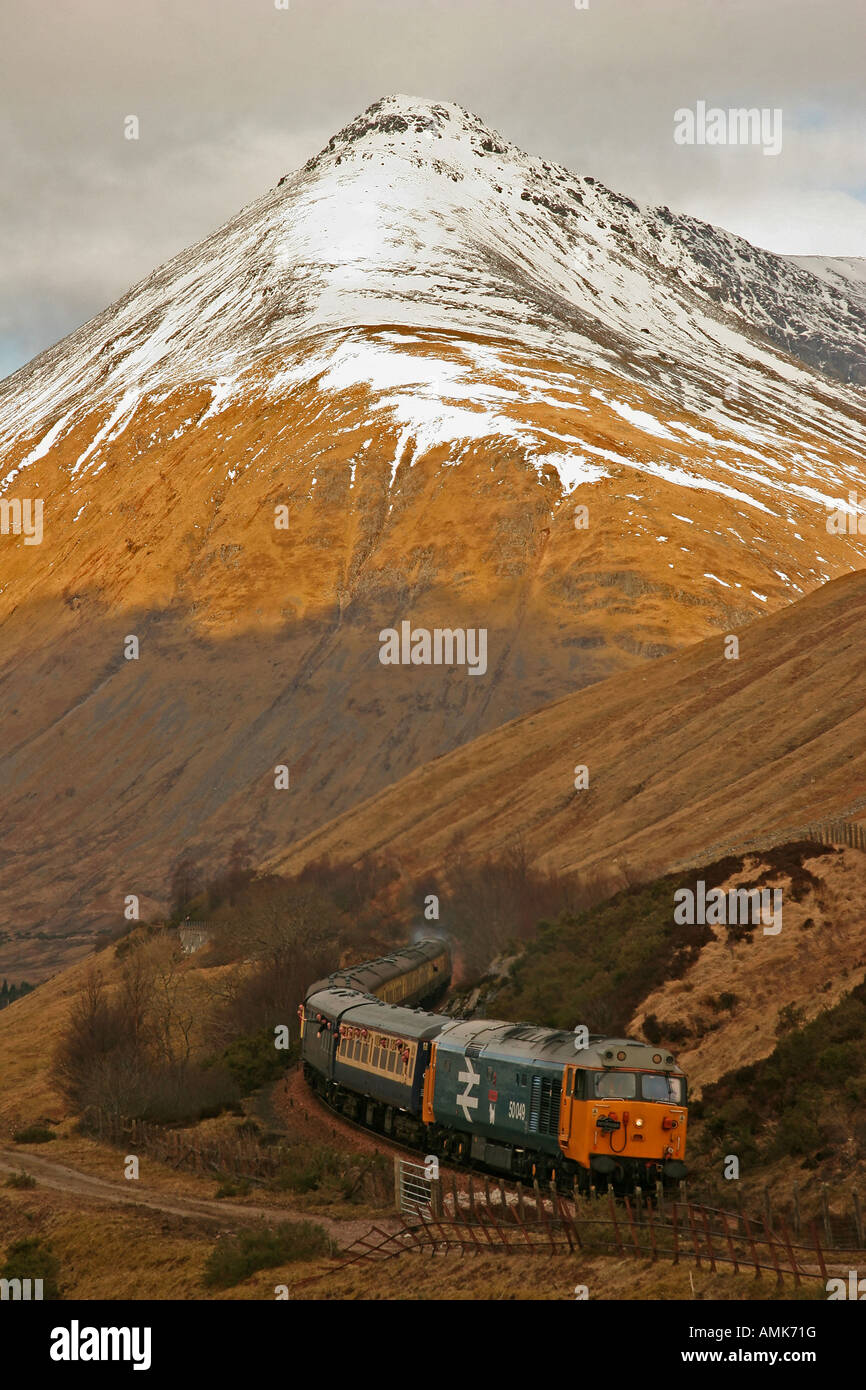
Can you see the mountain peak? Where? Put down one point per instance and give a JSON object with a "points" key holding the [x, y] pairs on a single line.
{"points": [[416, 213], [401, 124], [401, 114]]}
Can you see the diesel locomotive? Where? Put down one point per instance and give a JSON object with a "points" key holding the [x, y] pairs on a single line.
{"points": [[510, 1097]]}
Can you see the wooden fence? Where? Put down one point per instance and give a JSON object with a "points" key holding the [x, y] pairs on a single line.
{"points": [[839, 1217], [239, 1155], [842, 832], [498, 1218]]}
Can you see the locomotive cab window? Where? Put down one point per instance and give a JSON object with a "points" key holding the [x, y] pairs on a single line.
{"points": [[614, 1085], [657, 1086]]}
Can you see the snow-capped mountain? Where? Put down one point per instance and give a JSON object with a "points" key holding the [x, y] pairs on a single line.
{"points": [[490, 392], [417, 216], [846, 274], [417, 213]]}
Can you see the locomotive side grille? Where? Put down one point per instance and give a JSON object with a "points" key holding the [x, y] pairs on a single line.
{"points": [[534, 1104], [544, 1101], [550, 1095]]}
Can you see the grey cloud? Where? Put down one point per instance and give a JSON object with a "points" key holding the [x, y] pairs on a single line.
{"points": [[232, 94]]}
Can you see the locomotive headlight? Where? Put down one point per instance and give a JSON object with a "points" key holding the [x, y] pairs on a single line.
{"points": [[638, 1122]]}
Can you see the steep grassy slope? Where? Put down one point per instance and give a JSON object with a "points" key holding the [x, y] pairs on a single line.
{"points": [[260, 646], [718, 994], [690, 756]]}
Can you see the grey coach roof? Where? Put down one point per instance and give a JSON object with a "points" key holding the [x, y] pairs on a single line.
{"points": [[370, 973], [365, 1011]]}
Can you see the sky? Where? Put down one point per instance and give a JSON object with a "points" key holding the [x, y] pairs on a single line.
{"points": [[230, 95]]}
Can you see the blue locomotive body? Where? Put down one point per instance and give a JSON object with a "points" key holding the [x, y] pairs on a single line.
{"points": [[497, 1087]]}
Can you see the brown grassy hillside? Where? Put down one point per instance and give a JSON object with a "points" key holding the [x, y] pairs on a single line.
{"points": [[260, 646], [688, 757]]}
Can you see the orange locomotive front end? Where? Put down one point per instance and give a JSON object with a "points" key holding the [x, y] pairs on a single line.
{"points": [[622, 1119]]}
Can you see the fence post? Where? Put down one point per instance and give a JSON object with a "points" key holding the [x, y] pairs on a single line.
{"points": [[818, 1251], [519, 1215], [796, 1211], [772, 1244], [695, 1241], [436, 1197], [731, 1249], [543, 1217], [615, 1225], [634, 1238], [858, 1217], [794, 1267], [652, 1230], [537, 1191], [570, 1224], [828, 1230], [710, 1250], [398, 1185], [752, 1245]]}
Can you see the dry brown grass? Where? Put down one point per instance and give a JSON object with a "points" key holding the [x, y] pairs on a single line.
{"points": [[811, 966], [122, 1254], [693, 751]]}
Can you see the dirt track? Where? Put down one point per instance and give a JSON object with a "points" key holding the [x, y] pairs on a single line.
{"points": [[71, 1180]]}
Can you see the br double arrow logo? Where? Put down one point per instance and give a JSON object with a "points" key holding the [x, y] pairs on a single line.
{"points": [[466, 1100]]}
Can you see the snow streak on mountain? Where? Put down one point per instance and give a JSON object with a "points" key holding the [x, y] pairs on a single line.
{"points": [[416, 214]]}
